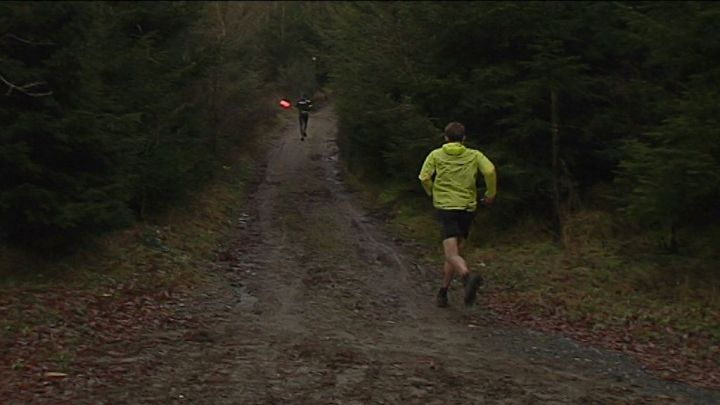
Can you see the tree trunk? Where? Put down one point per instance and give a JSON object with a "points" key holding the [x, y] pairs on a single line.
{"points": [[557, 218], [221, 20], [282, 23], [215, 77], [214, 115]]}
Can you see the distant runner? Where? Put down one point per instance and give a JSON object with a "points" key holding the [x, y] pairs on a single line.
{"points": [[304, 105], [454, 194]]}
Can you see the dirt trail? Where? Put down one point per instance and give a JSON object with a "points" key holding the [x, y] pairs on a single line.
{"points": [[314, 304]]}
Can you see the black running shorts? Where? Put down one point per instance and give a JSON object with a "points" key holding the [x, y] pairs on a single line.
{"points": [[456, 223]]}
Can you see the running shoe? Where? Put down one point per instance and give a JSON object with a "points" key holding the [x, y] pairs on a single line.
{"points": [[474, 281], [442, 298]]}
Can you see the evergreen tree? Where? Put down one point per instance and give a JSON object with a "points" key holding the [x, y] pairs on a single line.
{"points": [[106, 112], [59, 167], [670, 175]]}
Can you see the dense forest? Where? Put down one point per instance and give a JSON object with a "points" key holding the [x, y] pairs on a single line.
{"points": [[114, 110], [608, 105]]}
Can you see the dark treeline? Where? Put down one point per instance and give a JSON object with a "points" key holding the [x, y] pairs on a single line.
{"points": [[112, 111], [631, 87]]}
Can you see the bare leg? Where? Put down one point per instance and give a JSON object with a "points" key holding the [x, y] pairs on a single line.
{"points": [[303, 124], [453, 261], [447, 274]]}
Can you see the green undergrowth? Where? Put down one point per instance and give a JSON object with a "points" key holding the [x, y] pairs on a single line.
{"points": [[599, 278], [162, 251]]}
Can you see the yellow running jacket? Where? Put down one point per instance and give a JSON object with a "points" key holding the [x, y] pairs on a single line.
{"points": [[456, 170]]}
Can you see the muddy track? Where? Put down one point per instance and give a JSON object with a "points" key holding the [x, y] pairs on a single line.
{"points": [[314, 304]]}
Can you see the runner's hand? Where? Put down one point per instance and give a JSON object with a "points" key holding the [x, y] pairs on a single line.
{"points": [[488, 200]]}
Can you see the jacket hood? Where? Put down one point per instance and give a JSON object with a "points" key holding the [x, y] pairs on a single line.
{"points": [[453, 148]]}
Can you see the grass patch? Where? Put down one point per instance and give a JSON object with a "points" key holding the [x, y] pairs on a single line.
{"points": [[595, 278]]}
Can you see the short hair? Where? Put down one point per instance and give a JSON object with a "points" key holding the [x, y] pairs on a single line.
{"points": [[455, 131]]}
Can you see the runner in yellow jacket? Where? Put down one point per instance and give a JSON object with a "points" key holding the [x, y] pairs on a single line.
{"points": [[454, 192]]}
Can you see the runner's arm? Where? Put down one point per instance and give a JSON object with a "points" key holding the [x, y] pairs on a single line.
{"points": [[488, 171], [426, 173]]}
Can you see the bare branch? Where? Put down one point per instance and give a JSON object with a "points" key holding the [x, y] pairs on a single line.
{"points": [[26, 41], [26, 89]]}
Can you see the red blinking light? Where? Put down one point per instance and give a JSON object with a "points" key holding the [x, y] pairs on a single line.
{"points": [[284, 103]]}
